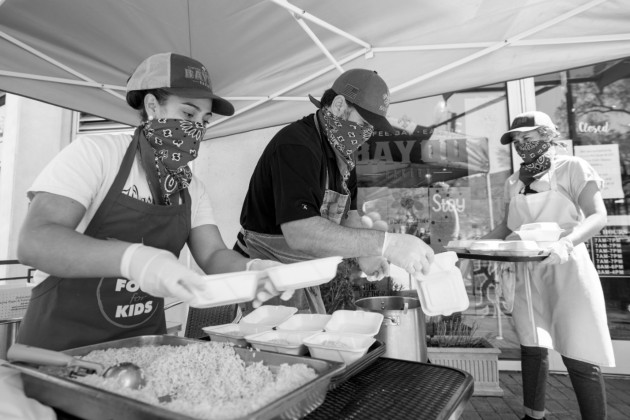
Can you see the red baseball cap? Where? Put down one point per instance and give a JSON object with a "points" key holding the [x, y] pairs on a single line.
{"points": [[179, 74], [368, 92]]}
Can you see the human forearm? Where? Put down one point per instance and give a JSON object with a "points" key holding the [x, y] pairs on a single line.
{"points": [[61, 251], [589, 227], [319, 237]]}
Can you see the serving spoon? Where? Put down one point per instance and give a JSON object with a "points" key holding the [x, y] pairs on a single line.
{"points": [[127, 375]]}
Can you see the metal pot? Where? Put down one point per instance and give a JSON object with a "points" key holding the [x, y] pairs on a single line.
{"points": [[403, 328], [8, 334]]}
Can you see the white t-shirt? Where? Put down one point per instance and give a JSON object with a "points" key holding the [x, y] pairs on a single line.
{"points": [[572, 174], [85, 170]]}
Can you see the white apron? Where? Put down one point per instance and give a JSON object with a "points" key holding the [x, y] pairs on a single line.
{"points": [[560, 306]]}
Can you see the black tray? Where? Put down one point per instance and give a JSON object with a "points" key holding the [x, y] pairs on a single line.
{"points": [[507, 258], [375, 351]]}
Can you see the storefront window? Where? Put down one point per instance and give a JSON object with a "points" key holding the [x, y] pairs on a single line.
{"points": [[441, 183], [591, 106]]}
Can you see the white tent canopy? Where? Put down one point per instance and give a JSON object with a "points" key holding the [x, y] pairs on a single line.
{"points": [[266, 56]]}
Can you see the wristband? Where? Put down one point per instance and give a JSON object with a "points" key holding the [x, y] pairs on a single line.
{"points": [[125, 262], [248, 265]]}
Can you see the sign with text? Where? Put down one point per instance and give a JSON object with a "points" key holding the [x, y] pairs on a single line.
{"points": [[604, 158]]}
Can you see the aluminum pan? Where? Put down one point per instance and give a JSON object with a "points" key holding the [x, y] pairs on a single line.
{"points": [[88, 402]]}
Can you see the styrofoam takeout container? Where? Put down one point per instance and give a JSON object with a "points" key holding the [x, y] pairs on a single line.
{"points": [[228, 333], [540, 226], [288, 342], [305, 322], [303, 274], [226, 289], [339, 347], [355, 322], [541, 235], [442, 291], [265, 318]]}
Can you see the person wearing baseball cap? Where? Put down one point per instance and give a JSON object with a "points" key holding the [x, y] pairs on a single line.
{"points": [[110, 214], [559, 304], [301, 203]]}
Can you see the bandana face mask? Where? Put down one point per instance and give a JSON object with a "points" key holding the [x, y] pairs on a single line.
{"points": [[345, 137], [536, 159], [175, 143]]}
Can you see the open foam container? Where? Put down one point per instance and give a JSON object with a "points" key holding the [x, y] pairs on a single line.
{"points": [[442, 291]]}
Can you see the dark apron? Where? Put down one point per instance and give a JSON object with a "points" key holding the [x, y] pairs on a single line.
{"points": [[66, 313], [334, 207]]}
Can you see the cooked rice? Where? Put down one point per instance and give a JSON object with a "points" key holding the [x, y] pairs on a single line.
{"points": [[204, 380]]}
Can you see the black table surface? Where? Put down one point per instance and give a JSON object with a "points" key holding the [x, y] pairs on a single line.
{"points": [[398, 389], [391, 389]]}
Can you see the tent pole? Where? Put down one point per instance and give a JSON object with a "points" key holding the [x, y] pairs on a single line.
{"points": [[56, 63], [498, 45], [304, 14], [288, 88], [317, 42]]}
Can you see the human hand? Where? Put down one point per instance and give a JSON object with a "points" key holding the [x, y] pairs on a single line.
{"points": [[159, 273], [266, 290], [375, 268], [408, 252], [559, 252], [403, 123]]}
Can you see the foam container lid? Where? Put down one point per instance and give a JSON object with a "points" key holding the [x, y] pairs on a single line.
{"points": [[442, 291], [355, 322], [305, 322], [227, 288], [303, 274]]}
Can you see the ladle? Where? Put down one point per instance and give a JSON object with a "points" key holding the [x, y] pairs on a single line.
{"points": [[128, 375]]}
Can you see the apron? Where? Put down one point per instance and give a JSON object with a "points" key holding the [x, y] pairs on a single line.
{"points": [[561, 306], [335, 207], [66, 313]]}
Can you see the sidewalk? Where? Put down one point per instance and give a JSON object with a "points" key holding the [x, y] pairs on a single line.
{"points": [[561, 402]]}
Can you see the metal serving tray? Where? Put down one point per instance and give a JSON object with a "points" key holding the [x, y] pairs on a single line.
{"points": [[88, 402]]}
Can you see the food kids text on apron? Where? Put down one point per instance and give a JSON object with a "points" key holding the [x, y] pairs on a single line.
{"points": [[334, 207], [67, 313], [567, 304]]}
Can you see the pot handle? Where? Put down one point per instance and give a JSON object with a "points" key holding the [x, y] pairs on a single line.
{"points": [[391, 321]]}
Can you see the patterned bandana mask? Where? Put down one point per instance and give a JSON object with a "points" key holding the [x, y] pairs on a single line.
{"points": [[536, 159], [174, 143], [345, 137]]}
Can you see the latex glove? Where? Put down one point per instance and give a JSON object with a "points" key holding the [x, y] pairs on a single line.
{"points": [[559, 252], [159, 273], [407, 252], [266, 290], [375, 268]]}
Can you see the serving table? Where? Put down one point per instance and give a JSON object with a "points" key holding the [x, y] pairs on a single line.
{"points": [[398, 389]]}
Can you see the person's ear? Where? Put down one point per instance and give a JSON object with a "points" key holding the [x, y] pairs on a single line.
{"points": [[338, 106], [150, 105]]}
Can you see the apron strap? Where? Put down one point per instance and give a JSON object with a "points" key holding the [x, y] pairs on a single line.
{"points": [[115, 189]]}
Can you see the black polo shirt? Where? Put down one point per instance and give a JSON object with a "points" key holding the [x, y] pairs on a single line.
{"points": [[289, 180]]}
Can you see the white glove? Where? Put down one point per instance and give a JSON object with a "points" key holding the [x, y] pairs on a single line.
{"points": [[374, 268], [159, 273], [266, 289], [559, 252], [407, 252]]}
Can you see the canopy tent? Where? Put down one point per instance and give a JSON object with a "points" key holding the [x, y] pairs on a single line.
{"points": [[267, 55]]}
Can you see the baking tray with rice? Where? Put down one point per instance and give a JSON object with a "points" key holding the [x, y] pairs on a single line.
{"points": [[80, 397]]}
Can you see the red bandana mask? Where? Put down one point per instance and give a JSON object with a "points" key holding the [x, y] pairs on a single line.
{"points": [[175, 143], [345, 137], [536, 159]]}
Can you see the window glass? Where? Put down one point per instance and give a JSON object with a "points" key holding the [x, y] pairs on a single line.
{"points": [[591, 107]]}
